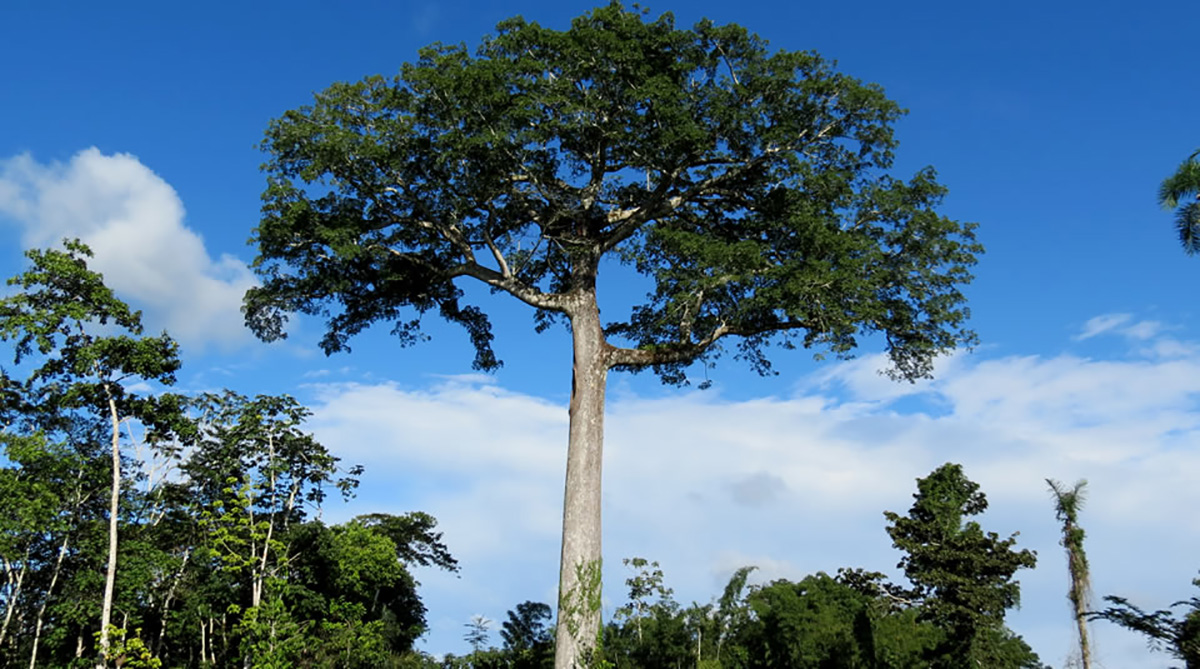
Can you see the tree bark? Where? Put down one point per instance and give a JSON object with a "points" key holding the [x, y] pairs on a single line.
{"points": [[110, 574], [579, 575], [1079, 595]]}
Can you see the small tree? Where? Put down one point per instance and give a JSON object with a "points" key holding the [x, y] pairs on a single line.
{"points": [[528, 640], [750, 186], [1067, 504], [478, 631], [526, 628]]}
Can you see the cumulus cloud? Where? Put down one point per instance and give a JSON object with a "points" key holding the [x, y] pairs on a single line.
{"points": [[798, 484], [134, 222]]}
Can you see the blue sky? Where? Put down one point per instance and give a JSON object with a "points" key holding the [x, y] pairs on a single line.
{"points": [[135, 126]]}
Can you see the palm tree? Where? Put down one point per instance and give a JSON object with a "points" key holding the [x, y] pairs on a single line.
{"points": [[1184, 184], [1067, 505]]}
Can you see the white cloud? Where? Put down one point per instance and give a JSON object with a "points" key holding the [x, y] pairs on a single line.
{"points": [[134, 223], [798, 485], [1102, 324], [1121, 324], [1143, 330]]}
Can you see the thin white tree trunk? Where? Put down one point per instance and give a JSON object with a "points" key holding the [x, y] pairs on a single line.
{"points": [[110, 574], [15, 580], [580, 567], [41, 616], [166, 605]]}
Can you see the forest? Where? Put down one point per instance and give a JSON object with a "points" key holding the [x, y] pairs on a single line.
{"points": [[751, 188]]}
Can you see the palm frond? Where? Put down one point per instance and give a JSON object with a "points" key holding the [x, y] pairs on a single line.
{"points": [[1068, 502], [1185, 182], [1187, 221]]}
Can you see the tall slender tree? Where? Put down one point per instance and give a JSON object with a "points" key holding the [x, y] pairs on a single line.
{"points": [[1174, 193], [54, 323], [750, 186], [1067, 503]]}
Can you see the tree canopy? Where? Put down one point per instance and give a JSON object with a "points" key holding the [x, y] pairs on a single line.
{"points": [[749, 184]]}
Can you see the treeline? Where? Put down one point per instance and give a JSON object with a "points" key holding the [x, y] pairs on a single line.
{"points": [[950, 615], [143, 528]]}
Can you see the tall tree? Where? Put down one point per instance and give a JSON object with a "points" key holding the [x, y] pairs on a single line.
{"points": [[1067, 504], [1180, 186], [964, 575], [54, 323], [750, 186], [253, 476]]}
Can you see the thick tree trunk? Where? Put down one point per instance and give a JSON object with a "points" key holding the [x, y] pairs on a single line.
{"points": [[579, 575], [110, 574]]}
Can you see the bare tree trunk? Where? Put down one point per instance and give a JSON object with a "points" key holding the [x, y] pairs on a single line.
{"points": [[166, 605], [110, 574], [580, 567], [15, 580], [41, 616]]}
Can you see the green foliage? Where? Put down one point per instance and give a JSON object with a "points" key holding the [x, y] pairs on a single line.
{"points": [[217, 566], [1174, 190], [965, 576], [349, 574], [130, 653], [258, 442], [584, 599], [478, 631], [750, 185], [52, 324], [805, 624], [1164, 631], [651, 630], [81, 349], [417, 543], [270, 637], [528, 637]]}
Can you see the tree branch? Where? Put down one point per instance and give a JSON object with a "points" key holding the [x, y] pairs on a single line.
{"points": [[510, 284], [659, 204], [685, 352]]}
